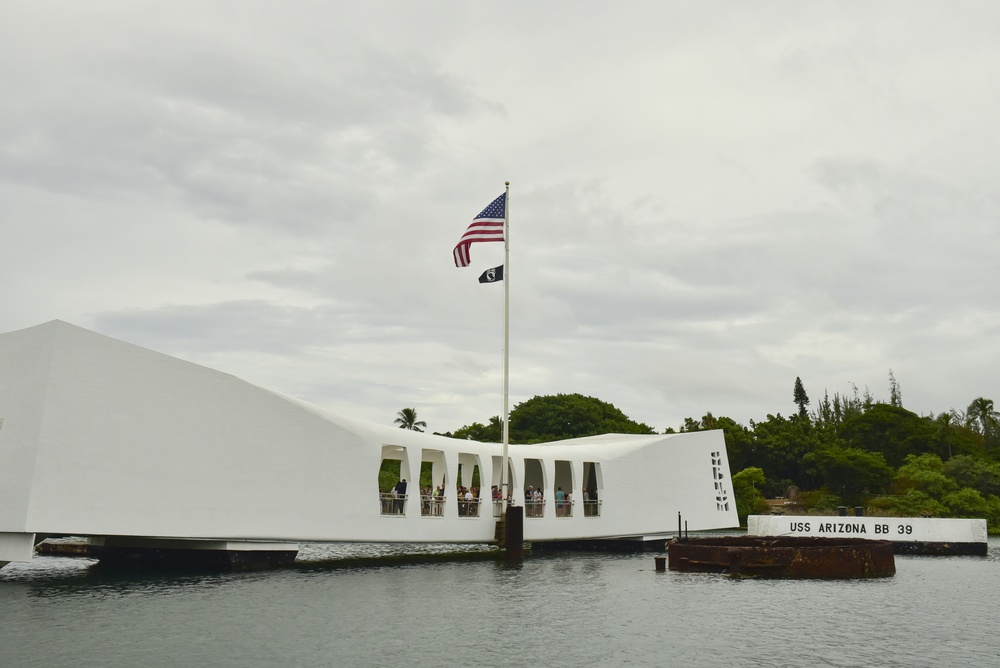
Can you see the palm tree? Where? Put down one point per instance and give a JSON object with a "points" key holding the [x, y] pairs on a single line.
{"points": [[945, 428], [496, 429], [985, 420], [407, 419]]}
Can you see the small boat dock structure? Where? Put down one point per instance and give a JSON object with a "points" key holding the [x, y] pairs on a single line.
{"points": [[783, 557], [907, 535], [145, 455]]}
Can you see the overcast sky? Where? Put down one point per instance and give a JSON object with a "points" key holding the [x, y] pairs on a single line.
{"points": [[707, 199]]}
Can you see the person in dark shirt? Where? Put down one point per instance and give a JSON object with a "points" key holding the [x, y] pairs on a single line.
{"points": [[400, 490]]}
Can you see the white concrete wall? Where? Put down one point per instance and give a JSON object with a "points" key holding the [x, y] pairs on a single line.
{"points": [[896, 529], [101, 437]]}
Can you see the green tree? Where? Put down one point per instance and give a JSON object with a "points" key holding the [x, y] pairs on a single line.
{"points": [[957, 436], [851, 473], [491, 433], [912, 504], [967, 502], [893, 431], [944, 431], [895, 394], [553, 418], [924, 473], [820, 500], [979, 474], [824, 412], [846, 407], [708, 421], [985, 420], [800, 397], [388, 474], [407, 419], [780, 446], [746, 488]]}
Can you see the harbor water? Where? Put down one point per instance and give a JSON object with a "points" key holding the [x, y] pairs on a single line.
{"points": [[565, 609]]}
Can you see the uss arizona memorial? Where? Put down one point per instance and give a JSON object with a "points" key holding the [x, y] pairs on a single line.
{"points": [[132, 448]]}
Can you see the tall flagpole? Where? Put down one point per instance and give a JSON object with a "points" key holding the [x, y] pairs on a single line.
{"points": [[504, 483]]}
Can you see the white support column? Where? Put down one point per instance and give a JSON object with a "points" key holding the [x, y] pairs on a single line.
{"points": [[16, 547]]}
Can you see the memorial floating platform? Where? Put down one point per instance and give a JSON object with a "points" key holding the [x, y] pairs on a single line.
{"points": [[783, 557]]}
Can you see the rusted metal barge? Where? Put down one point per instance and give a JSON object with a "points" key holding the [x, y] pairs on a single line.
{"points": [[783, 557]]}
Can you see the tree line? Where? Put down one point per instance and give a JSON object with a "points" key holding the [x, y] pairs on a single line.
{"points": [[851, 449], [856, 450]]}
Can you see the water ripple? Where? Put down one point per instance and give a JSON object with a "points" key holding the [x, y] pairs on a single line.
{"points": [[576, 610]]}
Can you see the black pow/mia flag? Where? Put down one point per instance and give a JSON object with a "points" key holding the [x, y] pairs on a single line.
{"points": [[492, 275]]}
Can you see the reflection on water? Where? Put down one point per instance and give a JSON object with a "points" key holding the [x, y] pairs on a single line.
{"points": [[560, 610]]}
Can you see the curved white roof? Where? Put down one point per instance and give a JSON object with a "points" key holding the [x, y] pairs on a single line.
{"points": [[101, 437]]}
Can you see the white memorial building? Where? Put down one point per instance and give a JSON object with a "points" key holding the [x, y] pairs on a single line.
{"points": [[121, 445]]}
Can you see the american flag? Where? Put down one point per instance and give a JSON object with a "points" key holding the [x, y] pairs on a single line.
{"points": [[487, 226]]}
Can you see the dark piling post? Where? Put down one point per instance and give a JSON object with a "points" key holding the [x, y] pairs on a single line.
{"points": [[859, 511], [842, 511], [514, 533]]}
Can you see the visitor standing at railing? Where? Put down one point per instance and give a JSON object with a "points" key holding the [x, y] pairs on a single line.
{"points": [[400, 492], [439, 500], [470, 505]]}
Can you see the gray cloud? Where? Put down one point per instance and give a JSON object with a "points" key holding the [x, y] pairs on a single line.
{"points": [[707, 200]]}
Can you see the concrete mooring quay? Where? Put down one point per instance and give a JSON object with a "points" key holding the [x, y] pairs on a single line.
{"points": [[783, 557]]}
